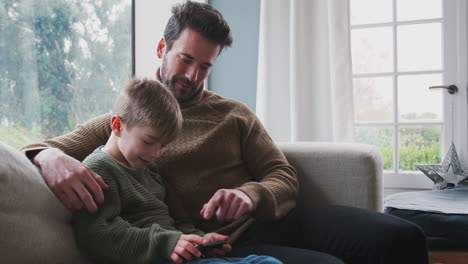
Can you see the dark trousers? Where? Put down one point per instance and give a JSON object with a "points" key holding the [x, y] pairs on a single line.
{"points": [[335, 234]]}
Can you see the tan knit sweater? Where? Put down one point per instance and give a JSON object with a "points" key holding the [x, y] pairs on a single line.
{"points": [[222, 145]]}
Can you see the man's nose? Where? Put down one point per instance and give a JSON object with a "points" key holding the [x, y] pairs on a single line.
{"points": [[192, 73]]}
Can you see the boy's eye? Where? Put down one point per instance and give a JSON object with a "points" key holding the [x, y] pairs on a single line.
{"points": [[147, 142]]}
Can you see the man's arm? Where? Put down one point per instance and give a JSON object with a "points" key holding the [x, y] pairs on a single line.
{"points": [[275, 187], [59, 159]]}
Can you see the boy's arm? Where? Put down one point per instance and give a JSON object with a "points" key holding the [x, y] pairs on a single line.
{"points": [[59, 159], [107, 237]]}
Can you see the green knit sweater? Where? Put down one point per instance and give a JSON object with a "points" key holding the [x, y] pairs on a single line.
{"points": [[222, 145], [134, 224]]}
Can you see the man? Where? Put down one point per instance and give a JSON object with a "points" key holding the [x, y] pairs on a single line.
{"points": [[227, 171]]}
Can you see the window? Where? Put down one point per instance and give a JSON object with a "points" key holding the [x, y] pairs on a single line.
{"points": [[62, 62], [399, 49]]}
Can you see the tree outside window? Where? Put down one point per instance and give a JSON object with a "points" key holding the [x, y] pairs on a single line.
{"points": [[62, 62]]}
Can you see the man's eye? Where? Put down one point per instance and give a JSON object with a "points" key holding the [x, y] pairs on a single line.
{"points": [[147, 142], [185, 61]]}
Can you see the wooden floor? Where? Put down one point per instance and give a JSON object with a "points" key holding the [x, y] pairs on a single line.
{"points": [[448, 257]]}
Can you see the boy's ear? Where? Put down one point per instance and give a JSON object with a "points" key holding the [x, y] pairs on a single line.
{"points": [[116, 125], [161, 48]]}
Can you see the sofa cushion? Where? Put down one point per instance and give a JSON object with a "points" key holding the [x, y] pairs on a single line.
{"points": [[442, 214], [34, 226]]}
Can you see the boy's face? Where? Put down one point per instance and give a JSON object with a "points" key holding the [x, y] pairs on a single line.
{"points": [[139, 145]]}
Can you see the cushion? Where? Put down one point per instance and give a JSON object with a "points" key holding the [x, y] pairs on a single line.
{"points": [[443, 231], [447, 201], [34, 226], [441, 214]]}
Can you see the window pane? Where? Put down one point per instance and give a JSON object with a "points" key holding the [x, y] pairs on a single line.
{"points": [[416, 102], [373, 99], [420, 47], [411, 10], [379, 136], [370, 11], [372, 50], [61, 63], [419, 145]]}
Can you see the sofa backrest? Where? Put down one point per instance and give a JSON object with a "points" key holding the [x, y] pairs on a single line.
{"points": [[34, 226]]}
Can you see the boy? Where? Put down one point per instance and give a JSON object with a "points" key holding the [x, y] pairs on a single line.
{"points": [[134, 224]]}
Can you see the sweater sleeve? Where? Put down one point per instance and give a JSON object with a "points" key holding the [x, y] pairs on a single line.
{"points": [[108, 238], [80, 142], [275, 187]]}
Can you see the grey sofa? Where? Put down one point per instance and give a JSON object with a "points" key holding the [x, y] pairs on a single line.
{"points": [[337, 173], [35, 227]]}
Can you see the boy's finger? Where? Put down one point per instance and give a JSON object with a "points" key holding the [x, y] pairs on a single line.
{"points": [[195, 239], [176, 258], [193, 250]]}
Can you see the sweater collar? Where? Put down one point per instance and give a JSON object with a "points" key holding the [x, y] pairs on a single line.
{"points": [[193, 101]]}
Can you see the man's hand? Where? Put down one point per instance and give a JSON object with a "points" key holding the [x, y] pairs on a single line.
{"points": [[185, 248], [217, 252], [73, 183], [227, 205]]}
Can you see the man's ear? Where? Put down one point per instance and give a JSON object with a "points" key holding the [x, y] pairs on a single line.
{"points": [[161, 48], [116, 125]]}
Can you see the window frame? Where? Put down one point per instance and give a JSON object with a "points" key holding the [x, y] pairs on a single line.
{"points": [[454, 71]]}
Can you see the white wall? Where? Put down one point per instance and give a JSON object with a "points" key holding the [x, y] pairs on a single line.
{"points": [[150, 20]]}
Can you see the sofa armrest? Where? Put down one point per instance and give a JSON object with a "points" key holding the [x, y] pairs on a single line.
{"points": [[337, 173]]}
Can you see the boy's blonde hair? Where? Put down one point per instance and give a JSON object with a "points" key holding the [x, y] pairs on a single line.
{"points": [[150, 103]]}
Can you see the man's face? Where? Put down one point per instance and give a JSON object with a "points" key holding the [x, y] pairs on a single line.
{"points": [[188, 63]]}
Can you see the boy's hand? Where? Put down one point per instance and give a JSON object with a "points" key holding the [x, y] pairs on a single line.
{"points": [[217, 252], [185, 248]]}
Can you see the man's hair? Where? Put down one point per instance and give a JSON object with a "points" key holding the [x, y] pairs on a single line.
{"points": [[149, 103], [200, 17]]}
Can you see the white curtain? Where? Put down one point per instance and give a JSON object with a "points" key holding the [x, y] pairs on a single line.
{"points": [[304, 86]]}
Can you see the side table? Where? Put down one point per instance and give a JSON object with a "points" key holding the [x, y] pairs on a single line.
{"points": [[442, 215]]}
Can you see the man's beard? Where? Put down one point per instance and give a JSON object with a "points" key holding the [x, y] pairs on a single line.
{"points": [[182, 95]]}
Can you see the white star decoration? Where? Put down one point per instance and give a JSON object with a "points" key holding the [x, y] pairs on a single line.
{"points": [[448, 174]]}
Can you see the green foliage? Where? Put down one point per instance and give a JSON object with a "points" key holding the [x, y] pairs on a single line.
{"points": [[62, 62], [16, 136], [411, 155], [417, 144], [387, 156]]}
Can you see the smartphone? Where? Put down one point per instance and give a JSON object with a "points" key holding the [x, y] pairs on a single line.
{"points": [[205, 247]]}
